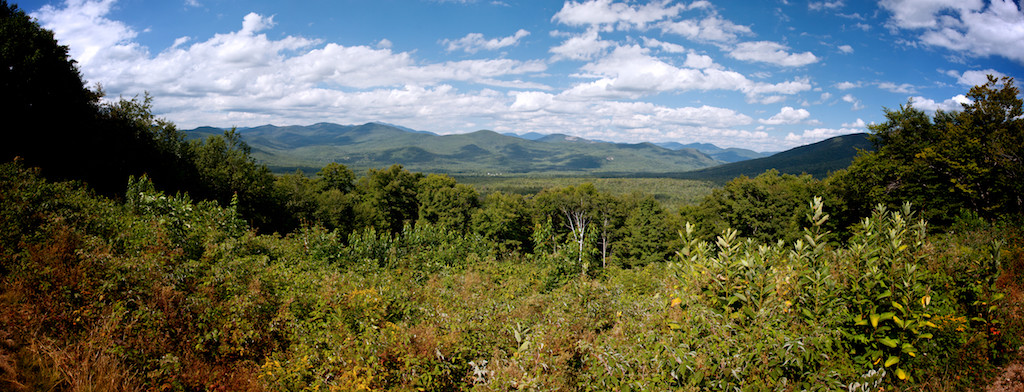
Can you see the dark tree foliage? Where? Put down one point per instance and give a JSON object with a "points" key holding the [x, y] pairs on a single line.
{"points": [[52, 121], [446, 203], [505, 220], [47, 111], [337, 176], [301, 197], [387, 199], [646, 235], [945, 164], [228, 174], [767, 207]]}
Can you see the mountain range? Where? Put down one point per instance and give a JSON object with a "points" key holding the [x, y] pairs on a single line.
{"points": [[377, 145]]}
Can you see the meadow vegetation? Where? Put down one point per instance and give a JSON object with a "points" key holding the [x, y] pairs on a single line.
{"points": [[206, 272]]}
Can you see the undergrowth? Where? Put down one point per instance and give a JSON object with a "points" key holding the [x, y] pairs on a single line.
{"points": [[164, 293]]}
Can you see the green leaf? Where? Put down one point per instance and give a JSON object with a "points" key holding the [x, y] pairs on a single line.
{"points": [[874, 320], [925, 335], [888, 342], [898, 321], [898, 306], [807, 313], [901, 374], [892, 361]]}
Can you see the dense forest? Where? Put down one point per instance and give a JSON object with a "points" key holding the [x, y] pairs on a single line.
{"points": [[134, 259]]}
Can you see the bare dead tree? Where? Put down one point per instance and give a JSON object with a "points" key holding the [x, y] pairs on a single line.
{"points": [[577, 219]]}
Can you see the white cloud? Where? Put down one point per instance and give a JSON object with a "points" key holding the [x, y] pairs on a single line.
{"points": [[581, 47], [975, 78], [630, 72], [474, 42], [856, 124], [847, 85], [622, 121], [849, 98], [92, 38], [904, 88], [252, 75], [249, 79], [973, 27], [772, 53], [846, 49], [952, 104], [818, 134], [787, 115], [180, 41], [820, 5], [253, 23], [699, 61], [710, 29], [609, 14], [665, 46]]}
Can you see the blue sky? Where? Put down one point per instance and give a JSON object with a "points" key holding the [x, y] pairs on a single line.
{"points": [[765, 75]]}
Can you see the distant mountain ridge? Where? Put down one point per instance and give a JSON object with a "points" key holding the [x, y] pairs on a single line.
{"points": [[375, 145], [817, 159], [727, 155]]}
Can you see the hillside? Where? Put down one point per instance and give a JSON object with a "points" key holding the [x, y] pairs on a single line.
{"points": [[373, 145], [817, 159], [727, 155]]}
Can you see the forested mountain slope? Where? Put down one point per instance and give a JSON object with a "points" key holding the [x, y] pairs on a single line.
{"points": [[373, 145], [817, 159]]}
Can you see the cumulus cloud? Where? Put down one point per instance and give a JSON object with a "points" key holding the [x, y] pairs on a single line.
{"points": [[247, 78], [251, 75], [904, 88], [849, 98], [823, 5], [973, 27], [92, 38], [847, 85], [475, 42], [625, 121], [952, 104], [787, 115], [709, 29], [856, 124], [975, 77], [609, 14], [846, 49], [631, 72], [699, 61], [664, 46], [581, 47], [772, 53], [818, 134]]}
